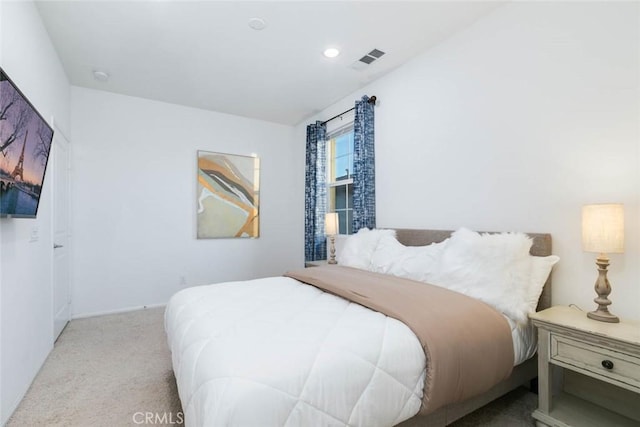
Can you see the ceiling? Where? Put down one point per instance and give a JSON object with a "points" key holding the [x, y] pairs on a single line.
{"points": [[203, 54]]}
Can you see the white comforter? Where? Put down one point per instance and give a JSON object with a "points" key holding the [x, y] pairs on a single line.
{"points": [[275, 352]]}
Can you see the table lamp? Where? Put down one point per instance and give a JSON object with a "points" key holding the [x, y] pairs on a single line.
{"points": [[331, 228], [603, 233]]}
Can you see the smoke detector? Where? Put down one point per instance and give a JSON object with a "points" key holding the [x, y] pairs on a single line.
{"points": [[257, 24], [101, 76]]}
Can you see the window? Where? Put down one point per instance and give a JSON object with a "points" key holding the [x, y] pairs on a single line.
{"points": [[339, 179]]}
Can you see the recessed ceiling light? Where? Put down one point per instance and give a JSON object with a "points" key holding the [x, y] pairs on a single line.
{"points": [[101, 76], [332, 52], [257, 24]]}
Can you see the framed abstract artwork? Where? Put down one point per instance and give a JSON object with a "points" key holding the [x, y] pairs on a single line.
{"points": [[228, 197]]}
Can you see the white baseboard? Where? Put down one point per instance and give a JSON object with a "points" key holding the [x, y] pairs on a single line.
{"points": [[118, 311]]}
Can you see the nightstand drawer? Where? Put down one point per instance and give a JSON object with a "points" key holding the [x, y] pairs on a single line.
{"points": [[612, 366]]}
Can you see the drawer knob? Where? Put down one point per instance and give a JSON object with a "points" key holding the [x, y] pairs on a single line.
{"points": [[607, 364]]}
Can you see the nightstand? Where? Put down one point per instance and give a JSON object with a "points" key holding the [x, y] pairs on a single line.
{"points": [[315, 263], [600, 366]]}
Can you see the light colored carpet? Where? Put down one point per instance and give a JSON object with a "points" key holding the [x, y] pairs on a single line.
{"points": [[101, 372], [116, 371]]}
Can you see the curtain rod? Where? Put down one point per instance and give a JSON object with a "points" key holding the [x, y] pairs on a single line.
{"points": [[371, 100]]}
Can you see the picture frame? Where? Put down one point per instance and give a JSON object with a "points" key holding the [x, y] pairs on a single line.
{"points": [[228, 196], [25, 145]]}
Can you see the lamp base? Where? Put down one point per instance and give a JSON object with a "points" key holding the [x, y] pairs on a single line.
{"points": [[603, 289], [603, 316], [332, 258]]}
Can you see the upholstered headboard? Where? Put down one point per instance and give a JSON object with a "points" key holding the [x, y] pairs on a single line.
{"points": [[541, 247]]}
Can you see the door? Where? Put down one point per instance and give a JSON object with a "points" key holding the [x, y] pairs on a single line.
{"points": [[61, 262]]}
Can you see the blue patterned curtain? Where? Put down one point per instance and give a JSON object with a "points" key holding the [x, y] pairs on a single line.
{"points": [[364, 178], [315, 200]]}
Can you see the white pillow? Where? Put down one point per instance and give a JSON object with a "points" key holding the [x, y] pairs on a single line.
{"points": [[540, 270], [411, 262], [494, 268], [358, 248]]}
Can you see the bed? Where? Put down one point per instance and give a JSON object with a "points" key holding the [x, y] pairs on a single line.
{"points": [[276, 351]]}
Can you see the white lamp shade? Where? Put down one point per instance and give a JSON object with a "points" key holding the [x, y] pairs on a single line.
{"points": [[331, 224], [603, 228]]}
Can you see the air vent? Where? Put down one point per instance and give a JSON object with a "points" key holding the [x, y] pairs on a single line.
{"points": [[367, 59], [364, 62], [376, 53], [372, 56]]}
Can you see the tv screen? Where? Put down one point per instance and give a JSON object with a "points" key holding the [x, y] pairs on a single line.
{"points": [[25, 143]]}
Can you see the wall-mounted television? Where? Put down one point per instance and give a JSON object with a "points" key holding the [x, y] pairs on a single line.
{"points": [[25, 144]]}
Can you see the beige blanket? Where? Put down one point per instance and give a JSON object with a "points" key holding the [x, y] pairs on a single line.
{"points": [[467, 343]]}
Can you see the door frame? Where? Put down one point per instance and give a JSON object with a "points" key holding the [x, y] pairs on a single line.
{"points": [[60, 138]]}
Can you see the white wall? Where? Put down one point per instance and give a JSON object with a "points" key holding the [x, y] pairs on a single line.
{"points": [[134, 168], [28, 57], [514, 124]]}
